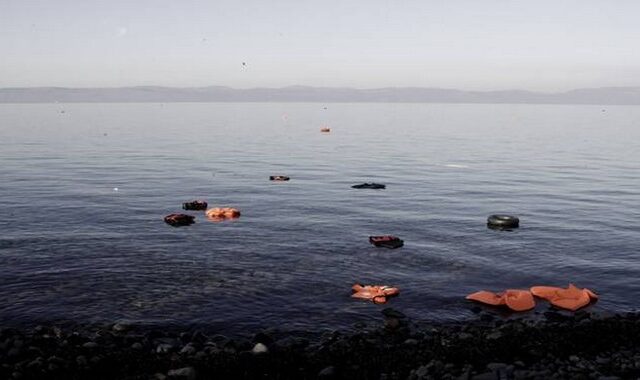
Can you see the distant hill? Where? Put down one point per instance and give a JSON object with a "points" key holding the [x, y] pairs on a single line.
{"points": [[601, 96]]}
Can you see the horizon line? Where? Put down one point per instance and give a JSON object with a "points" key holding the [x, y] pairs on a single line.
{"points": [[318, 87]]}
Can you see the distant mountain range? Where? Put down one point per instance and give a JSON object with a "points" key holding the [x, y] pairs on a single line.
{"points": [[600, 96]]}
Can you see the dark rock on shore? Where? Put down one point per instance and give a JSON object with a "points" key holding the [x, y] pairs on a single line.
{"points": [[559, 346]]}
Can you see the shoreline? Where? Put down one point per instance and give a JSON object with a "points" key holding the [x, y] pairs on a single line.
{"points": [[584, 345]]}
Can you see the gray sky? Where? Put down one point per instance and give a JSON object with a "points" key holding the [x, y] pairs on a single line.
{"points": [[546, 45]]}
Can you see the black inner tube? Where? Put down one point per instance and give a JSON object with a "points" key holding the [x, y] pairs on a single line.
{"points": [[504, 221]]}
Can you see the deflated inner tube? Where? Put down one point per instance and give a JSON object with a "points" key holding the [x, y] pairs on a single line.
{"points": [[503, 222], [369, 186], [195, 205], [386, 241], [177, 220], [278, 178]]}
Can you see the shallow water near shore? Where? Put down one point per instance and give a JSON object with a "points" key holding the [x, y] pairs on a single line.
{"points": [[84, 188]]}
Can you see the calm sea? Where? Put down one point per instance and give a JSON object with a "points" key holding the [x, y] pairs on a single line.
{"points": [[84, 188]]}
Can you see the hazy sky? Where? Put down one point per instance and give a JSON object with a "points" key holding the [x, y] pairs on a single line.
{"points": [[544, 45]]}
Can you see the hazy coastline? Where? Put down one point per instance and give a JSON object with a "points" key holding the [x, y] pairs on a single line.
{"points": [[151, 94]]}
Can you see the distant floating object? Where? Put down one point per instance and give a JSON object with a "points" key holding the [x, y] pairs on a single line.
{"points": [[178, 220], [386, 241], [325, 107], [104, 134], [371, 185], [62, 111], [221, 213], [244, 64], [325, 130], [115, 189], [503, 222], [195, 205]]}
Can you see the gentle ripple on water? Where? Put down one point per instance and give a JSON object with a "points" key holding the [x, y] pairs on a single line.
{"points": [[72, 247]]}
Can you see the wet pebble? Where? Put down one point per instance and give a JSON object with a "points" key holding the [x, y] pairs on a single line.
{"points": [[186, 373], [327, 372], [120, 327], [164, 348], [188, 350], [260, 348], [36, 364]]}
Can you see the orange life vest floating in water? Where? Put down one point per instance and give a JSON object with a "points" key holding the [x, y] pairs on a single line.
{"points": [[220, 213], [514, 299], [375, 293], [572, 298]]}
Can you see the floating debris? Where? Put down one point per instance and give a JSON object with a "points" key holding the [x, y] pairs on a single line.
{"points": [[572, 298], [178, 220], [514, 299], [375, 293], [369, 186], [279, 178], [197, 205], [386, 241]]}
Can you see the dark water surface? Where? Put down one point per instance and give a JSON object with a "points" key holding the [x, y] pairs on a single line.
{"points": [[74, 248]]}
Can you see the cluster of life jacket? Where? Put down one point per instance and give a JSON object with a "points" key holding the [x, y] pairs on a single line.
{"points": [[570, 298], [214, 214]]}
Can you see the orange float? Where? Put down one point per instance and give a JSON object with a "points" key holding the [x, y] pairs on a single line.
{"points": [[375, 293], [514, 299], [220, 213], [572, 298]]}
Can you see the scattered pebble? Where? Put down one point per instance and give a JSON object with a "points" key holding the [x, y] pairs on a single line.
{"points": [[187, 373], [260, 348], [584, 345]]}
